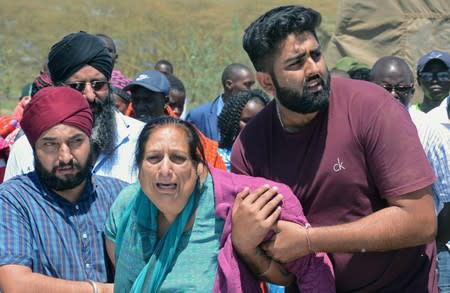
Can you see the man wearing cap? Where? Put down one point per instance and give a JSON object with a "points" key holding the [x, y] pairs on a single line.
{"points": [[81, 61], [149, 95], [433, 77], [52, 218]]}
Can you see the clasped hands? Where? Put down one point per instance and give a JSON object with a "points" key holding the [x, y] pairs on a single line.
{"points": [[257, 212]]}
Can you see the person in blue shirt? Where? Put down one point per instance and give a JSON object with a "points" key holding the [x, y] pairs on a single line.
{"points": [[236, 77], [51, 219]]}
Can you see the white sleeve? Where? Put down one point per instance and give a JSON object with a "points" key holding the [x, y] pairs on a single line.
{"points": [[20, 160]]}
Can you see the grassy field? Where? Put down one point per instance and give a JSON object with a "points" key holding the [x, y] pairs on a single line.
{"points": [[199, 37]]}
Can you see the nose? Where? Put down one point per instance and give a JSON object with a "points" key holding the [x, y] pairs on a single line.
{"points": [[89, 93], [165, 167], [311, 67], [65, 154], [394, 93]]}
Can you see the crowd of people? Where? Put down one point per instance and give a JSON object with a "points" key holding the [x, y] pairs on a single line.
{"points": [[317, 181]]}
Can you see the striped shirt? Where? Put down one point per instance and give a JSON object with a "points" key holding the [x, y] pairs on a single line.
{"points": [[435, 140], [43, 231]]}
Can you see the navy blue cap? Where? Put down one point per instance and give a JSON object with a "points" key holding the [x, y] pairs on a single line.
{"points": [[152, 80], [433, 55]]}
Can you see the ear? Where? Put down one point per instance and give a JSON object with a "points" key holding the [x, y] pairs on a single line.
{"points": [[265, 81], [202, 171], [229, 85]]}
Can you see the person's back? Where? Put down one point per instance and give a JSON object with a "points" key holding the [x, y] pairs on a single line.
{"points": [[235, 77]]}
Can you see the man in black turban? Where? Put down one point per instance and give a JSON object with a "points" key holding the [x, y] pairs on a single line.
{"points": [[81, 61]]}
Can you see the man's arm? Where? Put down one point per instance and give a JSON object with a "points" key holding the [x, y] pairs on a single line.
{"points": [[408, 221], [18, 278]]}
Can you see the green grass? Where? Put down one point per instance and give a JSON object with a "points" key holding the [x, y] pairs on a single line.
{"points": [[199, 37]]}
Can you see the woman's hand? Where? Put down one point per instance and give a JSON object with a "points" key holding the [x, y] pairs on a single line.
{"points": [[254, 215]]}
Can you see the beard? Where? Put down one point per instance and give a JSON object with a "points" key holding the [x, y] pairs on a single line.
{"points": [[104, 129], [304, 102], [50, 180]]}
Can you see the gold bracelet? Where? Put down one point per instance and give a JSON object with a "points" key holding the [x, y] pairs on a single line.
{"points": [[94, 286], [308, 240]]}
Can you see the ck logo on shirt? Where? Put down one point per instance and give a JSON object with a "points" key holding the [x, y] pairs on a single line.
{"points": [[339, 166]]}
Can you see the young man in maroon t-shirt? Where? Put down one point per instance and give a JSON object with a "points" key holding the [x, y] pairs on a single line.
{"points": [[351, 155]]}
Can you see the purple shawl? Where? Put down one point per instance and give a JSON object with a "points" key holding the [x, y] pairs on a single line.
{"points": [[314, 272]]}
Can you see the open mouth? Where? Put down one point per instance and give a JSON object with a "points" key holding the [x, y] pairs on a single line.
{"points": [[314, 85], [166, 186]]}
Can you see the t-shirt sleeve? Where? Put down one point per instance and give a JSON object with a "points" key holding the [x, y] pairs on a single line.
{"points": [[394, 154], [239, 163], [122, 202], [15, 232]]}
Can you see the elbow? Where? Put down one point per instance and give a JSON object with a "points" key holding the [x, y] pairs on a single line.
{"points": [[429, 229]]}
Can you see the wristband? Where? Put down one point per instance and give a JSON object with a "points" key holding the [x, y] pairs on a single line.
{"points": [[94, 286], [308, 240]]}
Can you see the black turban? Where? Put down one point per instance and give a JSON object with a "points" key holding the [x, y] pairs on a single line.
{"points": [[75, 51]]}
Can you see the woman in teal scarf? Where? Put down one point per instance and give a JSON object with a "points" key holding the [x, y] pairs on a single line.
{"points": [[171, 231]]}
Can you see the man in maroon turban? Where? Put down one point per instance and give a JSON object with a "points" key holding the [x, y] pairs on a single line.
{"points": [[82, 62], [52, 218]]}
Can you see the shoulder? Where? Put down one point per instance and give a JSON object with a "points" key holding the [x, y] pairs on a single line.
{"points": [[109, 184], [125, 197], [134, 126], [202, 109], [20, 189]]}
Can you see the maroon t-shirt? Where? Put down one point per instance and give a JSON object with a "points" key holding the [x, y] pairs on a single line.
{"points": [[342, 166]]}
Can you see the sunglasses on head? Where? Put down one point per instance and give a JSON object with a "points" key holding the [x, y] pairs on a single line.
{"points": [[399, 89], [440, 76], [96, 85]]}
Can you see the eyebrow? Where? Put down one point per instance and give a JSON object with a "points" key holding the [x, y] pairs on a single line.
{"points": [[51, 138], [301, 55]]}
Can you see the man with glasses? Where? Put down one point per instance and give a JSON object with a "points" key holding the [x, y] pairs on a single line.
{"points": [[82, 62], [394, 74], [433, 77]]}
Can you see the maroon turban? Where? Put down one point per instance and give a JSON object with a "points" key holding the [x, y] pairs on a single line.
{"points": [[54, 105]]}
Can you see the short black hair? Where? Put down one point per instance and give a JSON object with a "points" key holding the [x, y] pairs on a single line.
{"points": [[228, 120], [231, 70], [262, 38], [106, 37], [164, 62], [175, 83]]}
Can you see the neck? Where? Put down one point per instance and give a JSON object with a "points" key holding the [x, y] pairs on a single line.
{"points": [[72, 195], [428, 104], [292, 121], [164, 222]]}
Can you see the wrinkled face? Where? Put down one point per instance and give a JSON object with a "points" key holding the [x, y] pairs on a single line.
{"points": [[244, 81], [397, 80], [62, 157], [120, 104], [176, 101], [83, 81], [300, 77], [146, 104], [250, 110], [435, 81], [167, 174]]}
